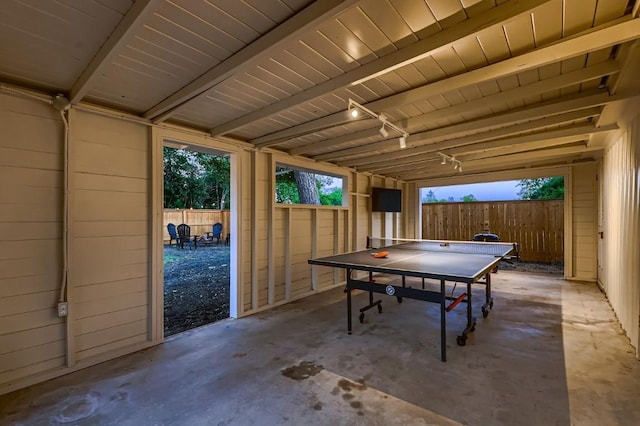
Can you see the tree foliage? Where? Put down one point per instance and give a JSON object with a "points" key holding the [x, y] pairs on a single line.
{"points": [[300, 187], [202, 181], [550, 188], [430, 197], [195, 180]]}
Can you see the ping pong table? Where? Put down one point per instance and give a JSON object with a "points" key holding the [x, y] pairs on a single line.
{"points": [[445, 261]]}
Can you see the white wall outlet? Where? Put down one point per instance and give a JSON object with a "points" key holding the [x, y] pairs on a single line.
{"points": [[63, 309]]}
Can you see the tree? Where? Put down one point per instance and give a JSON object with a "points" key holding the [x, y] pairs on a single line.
{"points": [[549, 188], [468, 198], [301, 187], [183, 184], [195, 180], [217, 181], [307, 187]]}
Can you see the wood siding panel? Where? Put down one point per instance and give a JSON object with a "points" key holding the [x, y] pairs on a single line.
{"points": [[109, 247], [620, 210], [584, 221], [31, 148]]}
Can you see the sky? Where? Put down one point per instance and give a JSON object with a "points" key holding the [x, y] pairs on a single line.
{"points": [[492, 191]]}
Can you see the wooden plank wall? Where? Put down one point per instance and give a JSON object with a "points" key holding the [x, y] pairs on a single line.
{"points": [[620, 206], [584, 223], [31, 159], [200, 220], [109, 234], [536, 225], [110, 288]]}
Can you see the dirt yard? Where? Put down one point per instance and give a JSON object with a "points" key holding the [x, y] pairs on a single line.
{"points": [[196, 287]]}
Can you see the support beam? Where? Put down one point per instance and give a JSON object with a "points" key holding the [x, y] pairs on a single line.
{"points": [[524, 143], [541, 87], [125, 31], [400, 58], [606, 35], [507, 161], [472, 140], [584, 100]]}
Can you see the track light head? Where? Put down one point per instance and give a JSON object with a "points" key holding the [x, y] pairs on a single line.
{"points": [[353, 112], [383, 131], [403, 141]]}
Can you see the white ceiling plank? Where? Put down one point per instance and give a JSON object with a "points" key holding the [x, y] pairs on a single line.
{"points": [[622, 30], [548, 141], [125, 31], [554, 156], [496, 121], [474, 141], [527, 157], [549, 138], [313, 15], [598, 38], [390, 62], [589, 73]]}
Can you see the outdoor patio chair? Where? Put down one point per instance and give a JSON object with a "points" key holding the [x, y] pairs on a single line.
{"points": [[173, 234], [216, 232], [184, 235]]}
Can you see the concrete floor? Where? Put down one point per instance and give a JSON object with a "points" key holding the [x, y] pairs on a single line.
{"points": [[550, 353]]}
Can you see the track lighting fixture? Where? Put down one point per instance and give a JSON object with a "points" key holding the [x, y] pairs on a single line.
{"points": [[457, 164], [355, 109], [403, 141]]}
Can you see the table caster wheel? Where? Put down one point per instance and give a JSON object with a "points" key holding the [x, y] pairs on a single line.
{"points": [[462, 340], [485, 313], [399, 299], [379, 309], [361, 317], [491, 304], [473, 328]]}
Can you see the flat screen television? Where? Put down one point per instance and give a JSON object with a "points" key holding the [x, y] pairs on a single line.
{"points": [[386, 200]]}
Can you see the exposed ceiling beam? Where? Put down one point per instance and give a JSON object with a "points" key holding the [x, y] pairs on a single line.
{"points": [[505, 161], [124, 31], [557, 106], [540, 87], [600, 37], [503, 146], [312, 16], [402, 57], [503, 132]]}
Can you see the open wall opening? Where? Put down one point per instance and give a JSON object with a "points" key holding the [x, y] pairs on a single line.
{"points": [[196, 236], [529, 212]]}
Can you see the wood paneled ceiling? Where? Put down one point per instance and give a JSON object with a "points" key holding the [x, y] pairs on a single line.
{"points": [[496, 84]]}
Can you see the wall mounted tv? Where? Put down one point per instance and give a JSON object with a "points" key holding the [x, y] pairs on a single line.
{"points": [[386, 200]]}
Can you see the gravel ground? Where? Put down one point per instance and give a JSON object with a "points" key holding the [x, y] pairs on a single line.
{"points": [[196, 285]]}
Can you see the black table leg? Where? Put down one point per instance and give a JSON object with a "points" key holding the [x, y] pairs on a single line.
{"points": [[471, 321], [348, 302], [488, 305], [443, 323]]}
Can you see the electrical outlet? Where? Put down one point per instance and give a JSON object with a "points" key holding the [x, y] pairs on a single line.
{"points": [[63, 309]]}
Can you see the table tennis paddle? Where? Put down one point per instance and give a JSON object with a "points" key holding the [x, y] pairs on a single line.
{"points": [[380, 254]]}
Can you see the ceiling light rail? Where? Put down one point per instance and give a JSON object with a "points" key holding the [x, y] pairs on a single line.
{"points": [[355, 109], [457, 164]]}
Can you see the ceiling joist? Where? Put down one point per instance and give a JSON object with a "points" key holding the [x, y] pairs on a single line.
{"points": [[314, 15], [405, 56]]}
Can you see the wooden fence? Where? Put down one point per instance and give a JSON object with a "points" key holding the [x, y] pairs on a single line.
{"points": [[536, 225], [200, 221]]}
